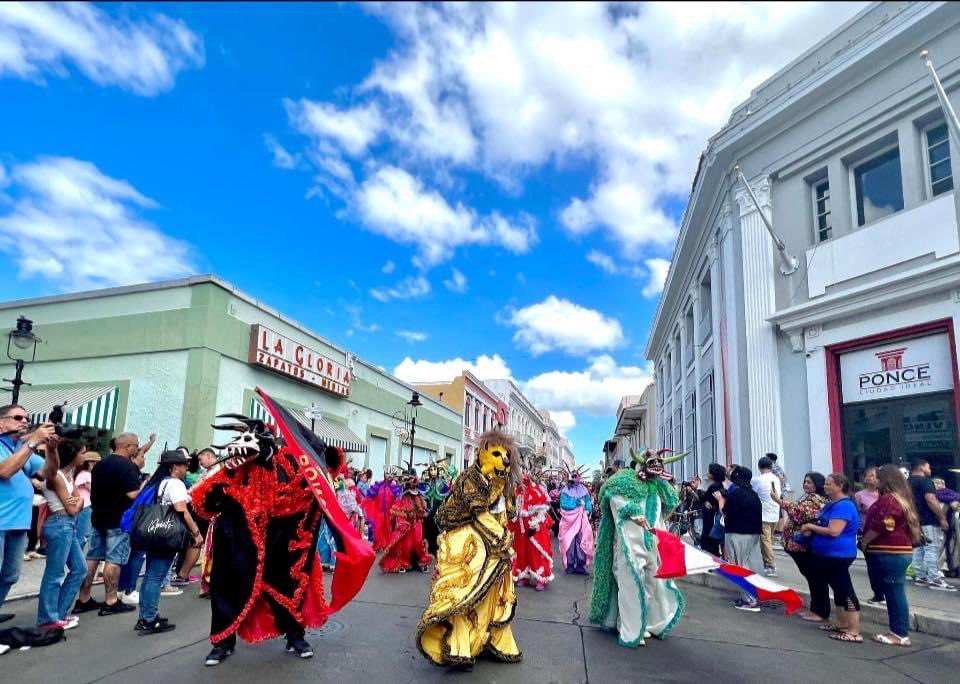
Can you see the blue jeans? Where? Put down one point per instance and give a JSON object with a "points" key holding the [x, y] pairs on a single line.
{"points": [[130, 572], [84, 525], [63, 549], [890, 569], [157, 568], [13, 543], [926, 558]]}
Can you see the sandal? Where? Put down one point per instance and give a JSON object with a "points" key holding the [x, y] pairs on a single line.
{"points": [[831, 627], [848, 637], [892, 640]]}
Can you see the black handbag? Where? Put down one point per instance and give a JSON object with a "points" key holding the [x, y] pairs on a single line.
{"points": [[158, 528]]}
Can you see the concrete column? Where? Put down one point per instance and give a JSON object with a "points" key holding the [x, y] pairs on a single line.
{"points": [[759, 270]]}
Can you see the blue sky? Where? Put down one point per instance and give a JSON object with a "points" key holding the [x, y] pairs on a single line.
{"points": [[495, 186]]}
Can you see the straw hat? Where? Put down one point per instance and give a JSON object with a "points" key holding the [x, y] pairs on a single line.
{"points": [[92, 457]]}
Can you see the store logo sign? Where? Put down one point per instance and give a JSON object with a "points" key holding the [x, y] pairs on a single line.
{"points": [[279, 353], [915, 366]]}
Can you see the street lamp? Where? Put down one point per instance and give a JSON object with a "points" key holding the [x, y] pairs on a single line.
{"points": [[21, 346], [413, 403]]}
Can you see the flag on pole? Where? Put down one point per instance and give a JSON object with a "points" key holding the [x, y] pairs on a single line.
{"points": [[679, 559]]}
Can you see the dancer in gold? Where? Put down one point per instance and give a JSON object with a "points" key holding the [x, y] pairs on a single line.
{"points": [[472, 601]]}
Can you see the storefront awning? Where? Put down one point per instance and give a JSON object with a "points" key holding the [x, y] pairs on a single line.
{"points": [[331, 432], [93, 406]]}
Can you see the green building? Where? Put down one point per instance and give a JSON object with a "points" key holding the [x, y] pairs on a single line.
{"points": [[167, 357]]}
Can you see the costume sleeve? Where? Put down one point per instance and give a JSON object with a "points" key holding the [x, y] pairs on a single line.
{"points": [[567, 502], [588, 503]]}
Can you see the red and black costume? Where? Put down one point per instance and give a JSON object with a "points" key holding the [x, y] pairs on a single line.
{"points": [[407, 548], [269, 499], [533, 559]]}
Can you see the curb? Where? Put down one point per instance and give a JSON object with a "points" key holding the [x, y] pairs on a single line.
{"points": [[933, 622]]}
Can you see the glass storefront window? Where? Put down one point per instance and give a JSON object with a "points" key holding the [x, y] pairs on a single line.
{"points": [[900, 430]]}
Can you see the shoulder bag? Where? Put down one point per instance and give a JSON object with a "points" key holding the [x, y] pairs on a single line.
{"points": [[158, 528]]}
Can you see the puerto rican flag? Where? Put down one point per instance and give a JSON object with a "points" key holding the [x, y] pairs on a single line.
{"points": [[679, 559]]}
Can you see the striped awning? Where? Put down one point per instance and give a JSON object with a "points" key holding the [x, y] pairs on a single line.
{"points": [[92, 406], [331, 432]]}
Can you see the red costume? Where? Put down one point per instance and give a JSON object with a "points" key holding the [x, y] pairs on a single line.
{"points": [[268, 500], [406, 548], [533, 561], [381, 496]]}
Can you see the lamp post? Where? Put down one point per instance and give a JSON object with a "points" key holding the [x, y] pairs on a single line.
{"points": [[21, 345], [413, 403]]}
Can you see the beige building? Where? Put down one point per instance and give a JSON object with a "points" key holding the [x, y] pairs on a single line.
{"points": [[635, 429]]}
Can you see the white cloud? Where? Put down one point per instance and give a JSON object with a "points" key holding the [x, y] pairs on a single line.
{"points": [[604, 261], [565, 420], [412, 336], [352, 129], [73, 224], [388, 267], [281, 157], [143, 56], [559, 324], [595, 391], [507, 88], [658, 270], [484, 367], [408, 288], [457, 281], [356, 322], [395, 204]]}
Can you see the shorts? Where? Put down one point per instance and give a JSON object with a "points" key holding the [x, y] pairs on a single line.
{"points": [[112, 546]]}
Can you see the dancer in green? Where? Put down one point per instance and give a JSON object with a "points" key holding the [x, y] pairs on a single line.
{"points": [[627, 596]]}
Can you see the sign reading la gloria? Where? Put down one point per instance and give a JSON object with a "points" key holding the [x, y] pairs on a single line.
{"points": [[898, 369], [285, 356]]}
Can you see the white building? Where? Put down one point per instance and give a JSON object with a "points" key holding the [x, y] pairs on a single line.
{"points": [[852, 359], [635, 429], [524, 421]]}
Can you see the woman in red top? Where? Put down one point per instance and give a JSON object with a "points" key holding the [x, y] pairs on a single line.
{"points": [[890, 532]]}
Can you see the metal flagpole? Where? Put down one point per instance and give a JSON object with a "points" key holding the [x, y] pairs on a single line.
{"points": [[952, 122], [788, 263]]}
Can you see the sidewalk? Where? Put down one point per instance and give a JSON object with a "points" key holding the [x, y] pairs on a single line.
{"points": [[931, 612]]}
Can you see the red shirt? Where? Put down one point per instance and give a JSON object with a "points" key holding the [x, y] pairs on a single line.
{"points": [[887, 519]]}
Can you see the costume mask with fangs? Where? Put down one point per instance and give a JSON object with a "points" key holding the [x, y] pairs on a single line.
{"points": [[255, 443]]}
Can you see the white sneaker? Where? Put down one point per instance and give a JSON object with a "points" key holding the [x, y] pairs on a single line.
{"points": [[170, 591], [131, 598], [941, 585], [70, 622]]}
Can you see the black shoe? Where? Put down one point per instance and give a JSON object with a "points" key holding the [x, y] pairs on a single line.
{"points": [[300, 647], [86, 606], [6, 616], [156, 627], [118, 607], [218, 655], [142, 624]]}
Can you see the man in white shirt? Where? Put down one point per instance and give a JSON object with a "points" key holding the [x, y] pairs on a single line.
{"points": [[767, 487]]}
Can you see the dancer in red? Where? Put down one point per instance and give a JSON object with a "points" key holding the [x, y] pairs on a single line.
{"points": [[407, 549], [382, 495], [533, 563]]}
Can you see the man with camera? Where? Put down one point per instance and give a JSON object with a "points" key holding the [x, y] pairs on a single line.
{"points": [[18, 463]]}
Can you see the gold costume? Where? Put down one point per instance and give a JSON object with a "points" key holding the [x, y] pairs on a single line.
{"points": [[473, 601]]}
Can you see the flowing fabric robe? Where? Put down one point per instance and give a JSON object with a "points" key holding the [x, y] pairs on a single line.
{"points": [[576, 534], [406, 548], [533, 558]]}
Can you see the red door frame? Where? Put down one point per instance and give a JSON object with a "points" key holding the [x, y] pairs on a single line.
{"points": [[833, 374]]}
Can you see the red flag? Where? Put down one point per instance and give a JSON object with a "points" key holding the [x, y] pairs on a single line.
{"points": [[356, 557]]}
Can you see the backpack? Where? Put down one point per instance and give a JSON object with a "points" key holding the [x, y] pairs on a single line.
{"points": [[146, 496], [18, 637]]}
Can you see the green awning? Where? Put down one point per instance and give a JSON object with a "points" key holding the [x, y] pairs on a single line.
{"points": [[92, 406]]}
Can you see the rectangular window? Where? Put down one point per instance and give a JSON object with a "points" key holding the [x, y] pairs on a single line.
{"points": [[688, 329], [879, 186], [706, 307], [707, 422], [690, 428], [821, 208], [938, 159], [677, 429]]}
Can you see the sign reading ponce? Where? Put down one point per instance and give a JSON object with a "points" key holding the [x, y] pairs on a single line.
{"points": [[282, 355], [897, 369]]}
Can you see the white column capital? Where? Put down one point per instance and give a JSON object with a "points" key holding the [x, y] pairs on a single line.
{"points": [[761, 188]]}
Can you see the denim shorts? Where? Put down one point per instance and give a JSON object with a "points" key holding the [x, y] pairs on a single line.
{"points": [[112, 546]]}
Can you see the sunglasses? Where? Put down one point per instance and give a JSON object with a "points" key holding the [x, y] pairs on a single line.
{"points": [[20, 418]]}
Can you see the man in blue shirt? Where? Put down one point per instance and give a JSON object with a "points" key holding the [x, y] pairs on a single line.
{"points": [[18, 463]]}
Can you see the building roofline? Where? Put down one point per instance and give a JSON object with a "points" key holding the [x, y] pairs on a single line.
{"points": [[223, 284]]}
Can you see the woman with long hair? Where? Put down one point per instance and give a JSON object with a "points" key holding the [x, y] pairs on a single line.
{"points": [[800, 512], [834, 546], [57, 592], [171, 490], [717, 474], [891, 530]]}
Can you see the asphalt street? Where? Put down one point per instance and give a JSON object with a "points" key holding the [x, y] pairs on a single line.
{"points": [[372, 641]]}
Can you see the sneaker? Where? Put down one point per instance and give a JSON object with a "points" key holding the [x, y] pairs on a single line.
{"points": [[118, 607], [921, 581], [71, 622], [300, 647], [770, 572], [86, 606], [218, 655], [171, 591], [141, 623], [131, 598], [740, 604], [941, 585], [62, 624], [156, 626], [179, 582], [877, 601]]}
